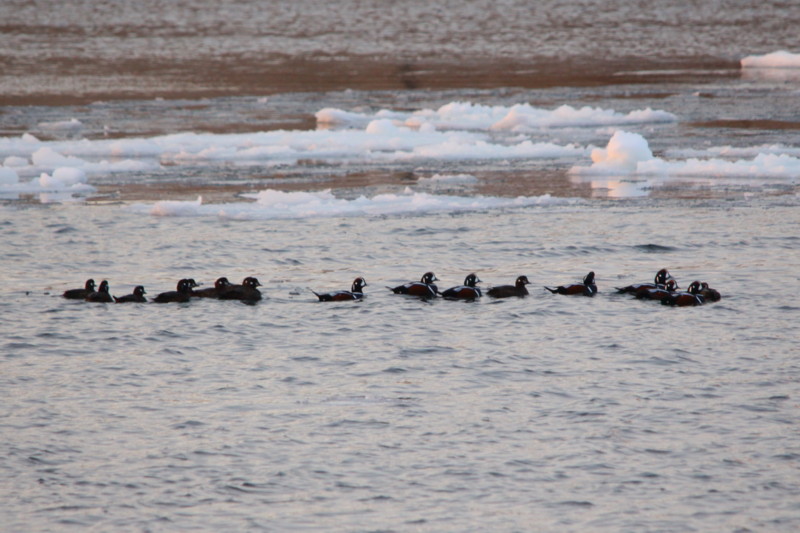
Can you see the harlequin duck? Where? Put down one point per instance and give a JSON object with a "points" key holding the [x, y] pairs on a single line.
{"points": [[587, 288], [467, 291], [424, 288], [80, 294], [684, 299], [652, 293], [246, 292], [507, 291], [137, 296], [355, 293], [220, 286], [659, 281], [181, 295], [711, 295], [101, 295]]}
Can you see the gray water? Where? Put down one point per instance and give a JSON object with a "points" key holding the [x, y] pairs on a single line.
{"points": [[547, 413], [544, 413]]}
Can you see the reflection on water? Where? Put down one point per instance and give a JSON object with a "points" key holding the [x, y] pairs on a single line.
{"points": [[618, 188]]}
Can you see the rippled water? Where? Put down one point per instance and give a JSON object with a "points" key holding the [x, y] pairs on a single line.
{"points": [[548, 412]]}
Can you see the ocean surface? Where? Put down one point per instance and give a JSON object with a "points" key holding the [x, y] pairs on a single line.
{"points": [[329, 147]]}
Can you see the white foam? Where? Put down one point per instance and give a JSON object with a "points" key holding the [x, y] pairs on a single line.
{"points": [[629, 154], [779, 59], [272, 204], [516, 118]]}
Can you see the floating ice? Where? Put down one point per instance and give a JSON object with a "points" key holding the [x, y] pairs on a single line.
{"points": [[379, 140], [67, 181], [735, 151], [14, 161], [448, 179], [779, 59], [272, 204], [629, 153], [67, 128], [8, 176], [516, 118]]}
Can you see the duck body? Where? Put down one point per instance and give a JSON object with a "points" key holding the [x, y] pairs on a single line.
{"points": [[80, 294], [137, 296], [424, 288], [508, 291], [183, 293], [689, 298], [355, 293], [101, 295], [220, 286], [246, 292], [587, 288], [711, 295], [467, 291], [659, 282], [657, 293]]}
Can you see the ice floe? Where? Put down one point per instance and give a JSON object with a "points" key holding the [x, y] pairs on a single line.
{"points": [[629, 154], [779, 59], [273, 204], [66, 182], [516, 118]]}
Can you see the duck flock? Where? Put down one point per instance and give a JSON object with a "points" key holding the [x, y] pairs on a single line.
{"points": [[664, 289]]}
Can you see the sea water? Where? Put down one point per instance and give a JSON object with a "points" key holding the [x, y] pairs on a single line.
{"points": [[544, 413]]}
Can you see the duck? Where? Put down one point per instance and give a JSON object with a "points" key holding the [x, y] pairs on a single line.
{"points": [[101, 295], [355, 292], [136, 296], [80, 294], [507, 291], [691, 297], [182, 293], [659, 281], [424, 288], [711, 295], [587, 288], [652, 293], [467, 291], [220, 286], [246, 292]]}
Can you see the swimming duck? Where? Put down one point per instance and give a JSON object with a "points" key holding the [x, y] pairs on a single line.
{"points": [[424, 288], [587, 288], [220, 286], [684, 299], [101, 295], [652, 293], [246, 292], [355, 292], [659, 281], [507, 291], [136, 296], [711, 295], [467, 291], [182, 293], [80, 294]]}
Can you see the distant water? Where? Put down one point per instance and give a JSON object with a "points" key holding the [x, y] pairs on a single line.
{"points": [[547, 413]]}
